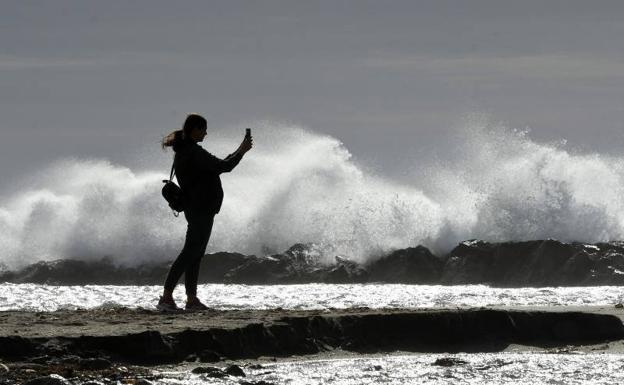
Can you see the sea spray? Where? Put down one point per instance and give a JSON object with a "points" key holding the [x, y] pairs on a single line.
{"points": [[300, 186]]}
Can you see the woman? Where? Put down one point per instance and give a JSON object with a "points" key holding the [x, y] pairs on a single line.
{"points": [[197, 172]]}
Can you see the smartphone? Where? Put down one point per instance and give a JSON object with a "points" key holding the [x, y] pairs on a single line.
{"points": [[247, 132]]}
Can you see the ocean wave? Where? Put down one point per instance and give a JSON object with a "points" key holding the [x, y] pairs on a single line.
{"points": [[301, 186]]}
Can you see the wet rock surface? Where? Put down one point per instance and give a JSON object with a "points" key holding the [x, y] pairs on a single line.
{"points": [[112, 343], [511, 264], [110, 338]]}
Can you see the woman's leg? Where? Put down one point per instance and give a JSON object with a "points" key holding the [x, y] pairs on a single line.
{"points": [[192, 247], [191, 273]]}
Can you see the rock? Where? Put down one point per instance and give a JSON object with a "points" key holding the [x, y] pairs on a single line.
{"points": [[206, 370], [4, 369], [235, 370], [16, 347], [191, 358], [299, 264], [41, 360], [142, 381], [94, 363], [261, 382], [216, 266], [52, 379], [208, 356], [93, 382], [411, 265], [619, 305], [70, 359], [449, 361], [346, 271], [518, 264]]}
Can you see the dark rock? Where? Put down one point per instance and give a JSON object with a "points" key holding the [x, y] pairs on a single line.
{"points": [[208, 356], [255, 366], [147, 347], [191, 358], [299, 264], [41, 360], [52, 379], [209, 371], [411, 265], [205, 369], [261, 382], [449, 361], [235, 370], [216, 266], [70, 359], [94, 363], [142, 381], [93, 382], [16, 347], [346, 271], [534, 263], [518, 264]]}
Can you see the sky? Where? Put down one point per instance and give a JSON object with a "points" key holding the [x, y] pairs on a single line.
{"points": [[392, 80]]}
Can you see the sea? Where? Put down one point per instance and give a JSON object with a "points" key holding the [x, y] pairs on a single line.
{"points": [[521, 367], [35, 297], [300, 186]]}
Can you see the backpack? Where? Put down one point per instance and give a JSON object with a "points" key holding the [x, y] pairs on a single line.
{"points": [[173, 193]]}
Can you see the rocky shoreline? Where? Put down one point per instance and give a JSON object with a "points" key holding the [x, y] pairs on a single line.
{"points": [[508, 264], [110, 345]]}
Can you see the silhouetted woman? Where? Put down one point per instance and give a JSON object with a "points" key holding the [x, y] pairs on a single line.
{"points": [[197, 172]]}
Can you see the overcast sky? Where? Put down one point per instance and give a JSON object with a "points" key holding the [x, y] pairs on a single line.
{"points": [[388, 78]]}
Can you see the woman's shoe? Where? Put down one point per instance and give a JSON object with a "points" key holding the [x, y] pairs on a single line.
{"points": [[167, 305], [195, 304]]}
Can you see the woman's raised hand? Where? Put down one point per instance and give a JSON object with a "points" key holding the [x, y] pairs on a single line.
{"points": [[246, 144]]}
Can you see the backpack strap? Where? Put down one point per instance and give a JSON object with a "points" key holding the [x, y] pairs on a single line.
{"points": [[172, 173]]}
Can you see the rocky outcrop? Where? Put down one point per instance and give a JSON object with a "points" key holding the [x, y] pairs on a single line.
{"points": [[530, 263], [366, 331], [411, 265], [534, 263]]}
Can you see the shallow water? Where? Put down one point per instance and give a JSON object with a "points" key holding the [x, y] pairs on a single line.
{"points": [[35, 297], [484, 368]]}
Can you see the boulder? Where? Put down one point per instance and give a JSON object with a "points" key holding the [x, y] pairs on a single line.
{"points": [[411, 265], [235, 370]]}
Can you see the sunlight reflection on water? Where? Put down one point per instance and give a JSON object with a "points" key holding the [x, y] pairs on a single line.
{"points": [[482, 368], [303, 297]]}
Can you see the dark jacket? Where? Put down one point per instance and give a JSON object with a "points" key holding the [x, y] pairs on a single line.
{"points": [[198, 172]]}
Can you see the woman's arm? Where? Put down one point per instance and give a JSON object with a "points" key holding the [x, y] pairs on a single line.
{"points": [[211, 163]]}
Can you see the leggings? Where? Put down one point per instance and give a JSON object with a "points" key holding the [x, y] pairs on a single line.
{"points": [[197, 236]]}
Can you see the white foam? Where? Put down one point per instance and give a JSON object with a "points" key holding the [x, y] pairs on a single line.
{"points": [[300, 186]]}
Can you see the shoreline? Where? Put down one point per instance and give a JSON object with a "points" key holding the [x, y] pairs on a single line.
{"points": [[99, 342]]}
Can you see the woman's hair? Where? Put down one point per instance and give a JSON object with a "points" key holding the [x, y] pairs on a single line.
{"points": [[192, 121]]}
